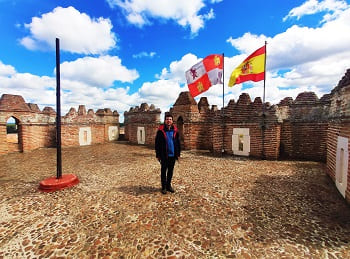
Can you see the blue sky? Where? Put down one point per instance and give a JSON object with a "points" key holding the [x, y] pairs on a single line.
{"points": [[120, 53]]}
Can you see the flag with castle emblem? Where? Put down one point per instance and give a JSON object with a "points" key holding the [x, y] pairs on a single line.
{"points": [[251, 69], [204, 74]]}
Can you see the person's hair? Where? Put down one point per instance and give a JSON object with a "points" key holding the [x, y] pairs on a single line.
{"points": [[168, 114]]}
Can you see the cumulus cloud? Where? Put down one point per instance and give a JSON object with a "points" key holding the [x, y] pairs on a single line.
{"points": [[161, 93], [78, 33], [176, 70], [248, 42], [6, 70], [35, 89], [332, 7], [144, 54], [119, 98], [299, 59], [183, 12], [42, 91], [296, 62], [101, 71]]}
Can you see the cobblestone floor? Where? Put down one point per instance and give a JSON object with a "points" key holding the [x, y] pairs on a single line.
{"points": [[222, 208]]}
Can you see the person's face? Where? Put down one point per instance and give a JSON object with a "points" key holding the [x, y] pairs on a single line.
{"points": [[168, 121]]}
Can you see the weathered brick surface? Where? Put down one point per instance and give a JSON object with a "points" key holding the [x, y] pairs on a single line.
{"points": [[37, 128], [98, 123], [144, 116], [339, 125], [304, 128]]}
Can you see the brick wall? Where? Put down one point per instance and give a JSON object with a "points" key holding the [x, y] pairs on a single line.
{"points": [[304, 127], [339, 126], [197, 121], [37, 136], [145, 116], [246, 114], [37, 128], [98, 123]]}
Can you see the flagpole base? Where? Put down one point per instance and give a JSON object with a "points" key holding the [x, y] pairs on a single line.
{"points": [[53, 184]]}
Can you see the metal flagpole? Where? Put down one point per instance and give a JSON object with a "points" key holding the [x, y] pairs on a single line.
{"points": [[264, 74], [263, 126], [58, 112], [61, 181], [223, 103]]}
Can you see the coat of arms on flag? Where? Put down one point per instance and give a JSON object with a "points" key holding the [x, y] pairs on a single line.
{"points": [[204, 74]]}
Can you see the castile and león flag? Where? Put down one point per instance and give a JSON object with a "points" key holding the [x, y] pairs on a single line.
{"points": [[204, 74], [201, 76], [210, 70]]}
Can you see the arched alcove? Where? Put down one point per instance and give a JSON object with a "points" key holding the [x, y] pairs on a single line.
{"points": [[13, 135]]}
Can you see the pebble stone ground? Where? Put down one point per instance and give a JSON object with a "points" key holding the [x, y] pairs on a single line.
{"points": [[222, 208]]}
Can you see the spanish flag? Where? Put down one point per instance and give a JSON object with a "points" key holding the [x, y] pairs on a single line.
{"points": [[251, 69]]}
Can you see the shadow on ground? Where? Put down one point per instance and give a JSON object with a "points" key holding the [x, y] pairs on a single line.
{"points": [[298, 208], [138, 190]]}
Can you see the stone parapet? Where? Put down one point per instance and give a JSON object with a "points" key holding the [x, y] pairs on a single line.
{"points": [[141, 124], [36, 129]]}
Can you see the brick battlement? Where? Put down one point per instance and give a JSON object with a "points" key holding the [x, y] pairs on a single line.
{"points": [[38, 128], [345, 81], [143, 114], [306, 98], [102, 116], [246, 111], [308, 127], [13, 103], [141, 123]]}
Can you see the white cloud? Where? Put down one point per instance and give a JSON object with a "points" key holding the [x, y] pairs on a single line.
{"points": [[118, 99], [161, 93], [166, 89], [41, 90], [184, 12], [177, 69], [299, 59], [296, 62], [144, 54], [35, 89], [101, 71], [26, 81], [299, 45], [332, 7], [78, 33], [248, 42], [6, 70]]}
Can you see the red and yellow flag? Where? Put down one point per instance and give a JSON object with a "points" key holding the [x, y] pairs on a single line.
{"points": [[251, 69], [201, 76]]}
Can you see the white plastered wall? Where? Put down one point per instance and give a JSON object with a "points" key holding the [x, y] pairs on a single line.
{"points": [[113, 133], [237, 132], [84, 136], [141, 135], [341, 172]]}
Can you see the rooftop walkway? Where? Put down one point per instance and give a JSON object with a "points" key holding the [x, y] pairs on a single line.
{"points": [[222, 207]]}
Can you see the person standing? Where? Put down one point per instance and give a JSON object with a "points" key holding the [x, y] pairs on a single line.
{"points": [[167, 147]]}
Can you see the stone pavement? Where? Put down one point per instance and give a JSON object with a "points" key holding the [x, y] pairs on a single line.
{"points": [[222, 208]]}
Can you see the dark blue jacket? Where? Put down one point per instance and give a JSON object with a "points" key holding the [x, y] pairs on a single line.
{"points": [[161, 143]]}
